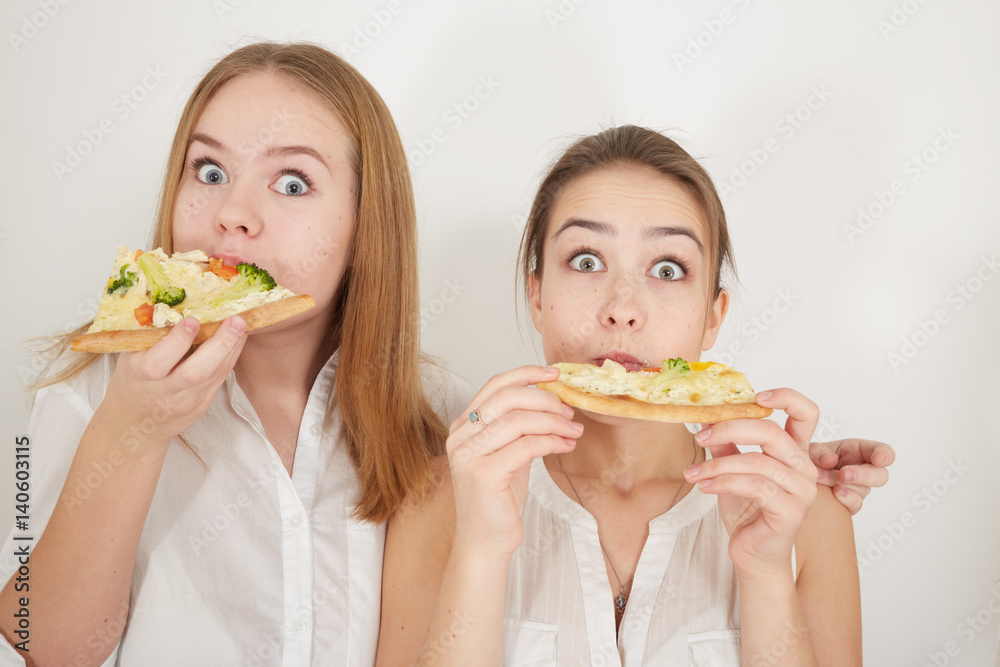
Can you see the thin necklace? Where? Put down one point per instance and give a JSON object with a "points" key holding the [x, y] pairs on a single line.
{"points": [[622, 598]]}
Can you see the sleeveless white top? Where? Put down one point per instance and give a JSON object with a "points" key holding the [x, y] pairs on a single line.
{"points": [[683, 608]]}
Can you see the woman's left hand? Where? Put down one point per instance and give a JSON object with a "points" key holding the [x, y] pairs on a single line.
{"points": [[763, 496]]}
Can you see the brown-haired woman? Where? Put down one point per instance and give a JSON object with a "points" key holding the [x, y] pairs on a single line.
{"points": [[260, 542], [577, 538]]}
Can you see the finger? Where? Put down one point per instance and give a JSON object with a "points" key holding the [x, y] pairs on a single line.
{"points": [[523, 376], [217, 355], [762, 433], [515, 397], [803, 414], [521, 452], [853, 451], [484, 440], [751, 464], [159, 360], [863, 476], [849, 498], [827, 477], [823, 455], [769, 496]]}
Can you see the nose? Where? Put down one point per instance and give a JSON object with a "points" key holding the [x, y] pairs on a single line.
{"points": [[238, 211], [622, 308]]}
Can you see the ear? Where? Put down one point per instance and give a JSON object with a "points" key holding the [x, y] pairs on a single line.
{"points": [[535, 301], [715, 318]]}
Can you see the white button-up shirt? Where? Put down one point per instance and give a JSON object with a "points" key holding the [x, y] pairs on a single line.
{"points": [[238, 563]]}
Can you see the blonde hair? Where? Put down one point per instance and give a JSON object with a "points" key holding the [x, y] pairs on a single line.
{"points": [[627, 145], [387, 423]]}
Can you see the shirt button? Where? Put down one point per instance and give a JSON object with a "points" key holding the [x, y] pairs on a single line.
{"points": [[295, 521], [298, 628]]}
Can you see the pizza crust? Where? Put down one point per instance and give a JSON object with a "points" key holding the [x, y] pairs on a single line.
{"points": [[626, 406], [133, 340]]}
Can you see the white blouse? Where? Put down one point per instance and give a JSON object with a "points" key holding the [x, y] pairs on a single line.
{"points": [[238, 563], [683, 608]]}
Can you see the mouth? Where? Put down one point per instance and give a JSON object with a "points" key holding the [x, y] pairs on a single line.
{"points": [[630, 363], [230, 259]]}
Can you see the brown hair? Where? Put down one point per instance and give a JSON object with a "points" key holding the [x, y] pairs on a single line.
{"points": [[627, 145], [389, 427]]}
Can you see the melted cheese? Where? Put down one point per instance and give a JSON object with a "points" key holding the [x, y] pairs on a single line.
{"points": [[203, 290], [707, 383]]}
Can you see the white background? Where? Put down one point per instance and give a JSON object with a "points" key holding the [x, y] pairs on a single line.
{"points": [[893, 77]]}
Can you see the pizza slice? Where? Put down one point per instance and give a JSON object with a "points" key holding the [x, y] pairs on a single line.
{"points": [[680, 391], [149, 292]]}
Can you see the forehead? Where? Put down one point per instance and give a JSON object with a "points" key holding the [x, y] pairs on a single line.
{"points": [[261, 109], [628, 197]]}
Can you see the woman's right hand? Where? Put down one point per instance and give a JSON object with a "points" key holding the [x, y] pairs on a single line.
{"points": [[157, 394], [490, 460]]}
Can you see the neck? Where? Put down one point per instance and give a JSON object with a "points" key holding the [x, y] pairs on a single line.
{"points": [[630, 454], [286, 360]]}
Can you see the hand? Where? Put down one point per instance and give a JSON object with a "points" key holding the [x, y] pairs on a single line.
{"points": [[852, 467], [157, 394], [763, 496], [490, 460]]}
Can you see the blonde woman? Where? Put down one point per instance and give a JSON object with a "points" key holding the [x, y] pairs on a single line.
{"points": [[569, 538], [227, 506]]}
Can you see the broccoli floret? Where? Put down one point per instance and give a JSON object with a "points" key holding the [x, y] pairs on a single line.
{"points": [[678, 365], [251, 279], [124, 281], [159, 286]]}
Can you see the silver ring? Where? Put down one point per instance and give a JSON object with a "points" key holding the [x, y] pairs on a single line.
{"points": [[477, 418]]}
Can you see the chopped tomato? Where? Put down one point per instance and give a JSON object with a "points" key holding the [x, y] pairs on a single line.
{"points": [[221, 269], [138, 254], [144, 314]]}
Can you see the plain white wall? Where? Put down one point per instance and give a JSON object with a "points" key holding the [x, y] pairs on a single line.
{"points": [[808, 112]]}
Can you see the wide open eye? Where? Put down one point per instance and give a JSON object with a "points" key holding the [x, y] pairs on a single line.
{"points": [[292, 185], [586, 262], [667, 270], [211, 174]]}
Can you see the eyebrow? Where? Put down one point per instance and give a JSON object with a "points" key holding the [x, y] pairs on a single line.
{"points": [[270, 152], [649, 233]]}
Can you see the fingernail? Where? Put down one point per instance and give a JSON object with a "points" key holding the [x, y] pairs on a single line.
{"points": [[568, 411], [578, 427], [692, 471], [705, 483], [570, 444], [190, 323], [238, 325], [763, 396], [848, 475], [829, 459], [703, 435], [841, 491], [819, 474], [552, 370]]}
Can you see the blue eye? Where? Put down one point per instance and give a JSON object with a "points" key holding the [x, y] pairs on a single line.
{"points": [[586, 262], [211, 174], [292, 185], [667, 270]]}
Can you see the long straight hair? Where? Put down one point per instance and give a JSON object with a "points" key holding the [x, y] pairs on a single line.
{"points": [[389, 427]]}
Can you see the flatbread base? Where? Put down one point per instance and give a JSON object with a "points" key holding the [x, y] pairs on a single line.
{"points": [[626, 406], [134, 340]]}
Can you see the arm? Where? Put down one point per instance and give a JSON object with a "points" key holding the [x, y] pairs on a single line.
{"points": [[489, 463], [764, 499], [81, 568], [417, 545]]}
